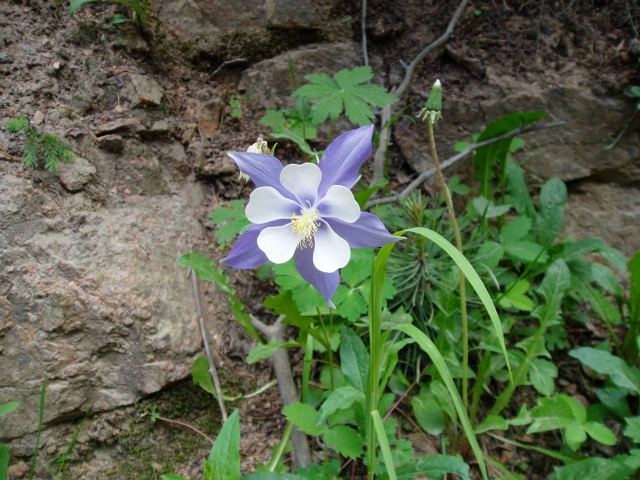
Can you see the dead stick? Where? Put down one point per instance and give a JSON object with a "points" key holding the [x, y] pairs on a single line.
{"points": [[207, 347], [288, 390], [380, 155], [224, 64], [450, 161]]}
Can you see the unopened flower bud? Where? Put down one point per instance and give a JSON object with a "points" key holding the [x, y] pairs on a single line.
{"points": [[433, 108]]}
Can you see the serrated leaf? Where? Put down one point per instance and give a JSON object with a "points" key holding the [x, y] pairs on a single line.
{"points": [[489, 254], [345, 441], [632, 430], [619, 372], [516, 229], [303, 416], [575, 435], [519, 190], [273, 118], [550, 414], [340, 398], [516, 297], [600, 433], [354, 359], [359, 267], [201, 376], [344, 90]]}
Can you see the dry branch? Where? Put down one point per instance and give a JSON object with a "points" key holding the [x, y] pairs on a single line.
{"points": [[379, 157]]}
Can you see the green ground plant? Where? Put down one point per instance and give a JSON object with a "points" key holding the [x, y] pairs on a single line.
{"points": [[399, 315], [40, 149], [139, 11]]}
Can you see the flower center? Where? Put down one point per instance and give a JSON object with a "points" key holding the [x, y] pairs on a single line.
{"points": [[305, 225]]}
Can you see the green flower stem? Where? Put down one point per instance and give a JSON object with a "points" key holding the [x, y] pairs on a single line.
{"points": [[329, 351], [463, 294], [280, 448]]}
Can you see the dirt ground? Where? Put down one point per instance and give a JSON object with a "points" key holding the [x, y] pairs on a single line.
{"points": [[541, 41]]}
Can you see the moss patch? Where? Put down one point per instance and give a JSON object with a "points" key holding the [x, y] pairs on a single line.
{"points": [[145, 442]]}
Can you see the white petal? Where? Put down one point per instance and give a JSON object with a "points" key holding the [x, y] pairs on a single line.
{"points": [[339, 203], [278, 243], [303, 181], [331, 252], [266, 205]]}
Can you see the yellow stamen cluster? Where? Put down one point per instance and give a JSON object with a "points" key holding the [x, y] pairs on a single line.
{"points": [[305, 225]]}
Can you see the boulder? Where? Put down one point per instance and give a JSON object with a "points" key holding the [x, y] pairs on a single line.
{"points": [[75, 174]]}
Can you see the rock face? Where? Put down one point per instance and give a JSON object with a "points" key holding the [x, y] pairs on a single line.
{"points": [[605, 181], [94, 301]]}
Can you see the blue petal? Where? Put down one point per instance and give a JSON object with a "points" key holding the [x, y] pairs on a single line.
{"points": [[367, 231], [245, 253], [342, 159], [325, 283], [263, 169]]}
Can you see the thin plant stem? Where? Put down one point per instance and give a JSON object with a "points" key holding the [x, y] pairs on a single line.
{"points": [[178, 422], [329, 351], [40, 419], [463, 294], [279, 450]]}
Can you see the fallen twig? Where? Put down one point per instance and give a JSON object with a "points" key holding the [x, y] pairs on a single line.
{"points": [[363, 25], [288, 390], [224, 64], [207, 347], [8, 156], [459, 156], [385, 133]]}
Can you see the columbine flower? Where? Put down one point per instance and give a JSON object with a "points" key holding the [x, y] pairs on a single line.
{"points": [[308, 212]]}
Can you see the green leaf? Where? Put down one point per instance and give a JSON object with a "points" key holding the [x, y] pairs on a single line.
{"points": [[363, 197], [350, 302], [593, 469], [430, 349], [599, 303], [553, 198], [575, 435], [516, 297], [354, 359], [281, 132], [303, 416], [171, 477], [273, 118], [550, 414], [263, 351], [383, 440], [201, 376], [489, 254], [632, 430], [77, 3], [283, 304], [527, 252], [428, 413], [515, 229], [555, 283], [344, 89], [225, 454], [634, 289], [619, 372], [345, 441], [489, 157], [8, 407], [340, 398], [119, 19], [615, 399], [359, 267], [605, 277], [433, 467], [600, 433], [519, 190], [541, 374], [4, 461], [487, 209], [492, 422]]}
